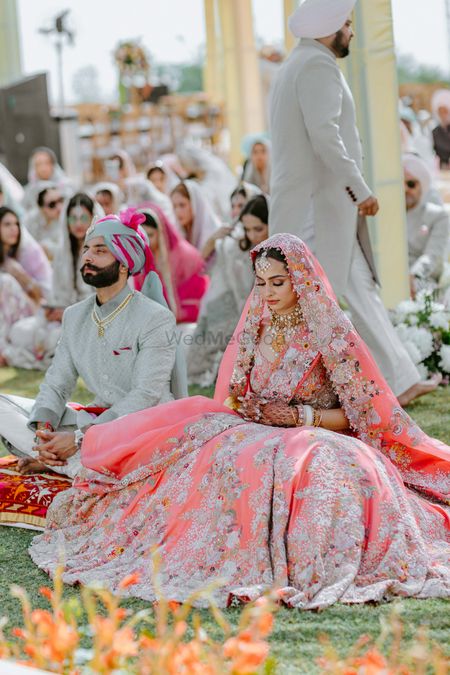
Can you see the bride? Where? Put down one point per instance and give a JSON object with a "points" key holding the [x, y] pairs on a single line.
{"points": [[303, 474]]}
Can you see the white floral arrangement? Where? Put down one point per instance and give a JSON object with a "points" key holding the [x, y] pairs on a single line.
{"points": [[423, 327]]}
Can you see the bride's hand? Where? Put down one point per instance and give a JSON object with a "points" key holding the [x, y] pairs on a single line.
{"points": [[277, 414], [250, 407]]}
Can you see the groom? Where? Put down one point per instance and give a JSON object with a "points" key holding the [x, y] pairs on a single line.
{"points": [[118, 341]]}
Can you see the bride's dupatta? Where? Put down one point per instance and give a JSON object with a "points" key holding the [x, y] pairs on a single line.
{"points": [[373, 411]]}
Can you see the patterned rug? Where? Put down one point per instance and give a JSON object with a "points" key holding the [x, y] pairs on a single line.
{"points": [[24, 500]]}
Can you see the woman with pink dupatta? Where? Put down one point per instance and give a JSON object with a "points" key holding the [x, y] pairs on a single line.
{"points": [[309, 478], [179, 265]]}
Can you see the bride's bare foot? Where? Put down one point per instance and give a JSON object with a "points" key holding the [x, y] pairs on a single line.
{"points": [[29, 465], [420, 389]]}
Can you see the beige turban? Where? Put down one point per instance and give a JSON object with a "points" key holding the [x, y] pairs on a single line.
{"points": [[440, 99], [320, 18], [417, 168]]}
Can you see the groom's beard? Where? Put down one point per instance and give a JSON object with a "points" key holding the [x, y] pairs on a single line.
{"points": [[103, 277], [340, 48]]}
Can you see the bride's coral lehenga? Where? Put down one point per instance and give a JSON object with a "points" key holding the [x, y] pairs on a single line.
{"points": [[321, 516]]}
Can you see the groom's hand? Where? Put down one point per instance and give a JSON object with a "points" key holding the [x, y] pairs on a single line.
{"points": [[55, 447]]}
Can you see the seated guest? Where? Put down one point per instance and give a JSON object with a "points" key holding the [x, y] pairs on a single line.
{"points": [[231, 282], [68, 284], [44, 167], [195, 217], [239, 198], [117, 340], [179, 265], [43, 222], [440, 104], [428, 227], [211, 173], [257, 166], [109, 197], [134, 186], [158, 177], [24, 261]]}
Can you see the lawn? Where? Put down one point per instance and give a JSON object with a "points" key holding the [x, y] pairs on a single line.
{"points": [[295, 638]]}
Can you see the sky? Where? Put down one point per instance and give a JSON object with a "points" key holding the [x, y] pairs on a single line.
{"points": [[173, 31]]}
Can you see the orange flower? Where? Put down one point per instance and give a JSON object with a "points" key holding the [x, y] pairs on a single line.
{"points": [[19, 633], [374, 663], [124, 642], [245, 655], [264, 624], [46, 592], [130, 580]]}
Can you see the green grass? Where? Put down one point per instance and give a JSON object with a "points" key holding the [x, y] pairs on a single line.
{"points": [[295, 638]]}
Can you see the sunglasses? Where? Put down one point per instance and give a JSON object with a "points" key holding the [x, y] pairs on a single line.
{"points": [[411, 183], [54, 202], [83, 219]]}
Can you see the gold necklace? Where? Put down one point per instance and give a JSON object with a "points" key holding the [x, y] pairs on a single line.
{"points": [[282, 326], [101, 323]]}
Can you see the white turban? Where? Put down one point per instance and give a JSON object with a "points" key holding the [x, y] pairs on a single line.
{"points": [[320, 18], [417, 168], [440, 99]]}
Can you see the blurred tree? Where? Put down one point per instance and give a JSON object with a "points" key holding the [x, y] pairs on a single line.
{"points": [[409, 70], [85, 85]]}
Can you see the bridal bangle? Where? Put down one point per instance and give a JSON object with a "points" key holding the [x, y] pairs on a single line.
{"points": [[317, 418], [308, 412]]}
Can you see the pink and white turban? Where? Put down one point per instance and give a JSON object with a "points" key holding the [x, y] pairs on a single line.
{"points": [[320, 18], [126, 239]]}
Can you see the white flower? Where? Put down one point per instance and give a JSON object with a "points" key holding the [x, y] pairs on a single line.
{"points": [[417, 341], [444, 353], [402, 331], [423, 340], [404, 309], [440, 320], [423, 371], [413, 351]]}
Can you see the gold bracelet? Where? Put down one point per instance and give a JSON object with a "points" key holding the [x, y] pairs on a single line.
{"points": [[317, 418]]}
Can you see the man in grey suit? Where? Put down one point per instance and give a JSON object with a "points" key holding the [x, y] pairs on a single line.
{"points": [[120, 342], [316, 177]]}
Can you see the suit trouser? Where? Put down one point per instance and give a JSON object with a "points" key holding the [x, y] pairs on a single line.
{"points": [[14, 416], [372, 322]]}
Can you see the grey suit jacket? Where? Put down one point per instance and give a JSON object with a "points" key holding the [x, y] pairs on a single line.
{"points": [[317, 158], [128, 369]]}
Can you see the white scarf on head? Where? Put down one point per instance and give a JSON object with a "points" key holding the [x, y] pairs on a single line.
{"points": [[417, 168]]}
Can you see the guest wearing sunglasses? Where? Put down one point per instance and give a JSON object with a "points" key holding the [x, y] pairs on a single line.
{"points": [[428, 227], [43, 222], [68, 284]]}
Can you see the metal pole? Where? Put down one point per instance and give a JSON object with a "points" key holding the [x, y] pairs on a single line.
{"points": [[59, 50]]}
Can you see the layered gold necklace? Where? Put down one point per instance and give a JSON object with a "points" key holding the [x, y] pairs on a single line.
{"points": [[102, 323], [282, 327]]}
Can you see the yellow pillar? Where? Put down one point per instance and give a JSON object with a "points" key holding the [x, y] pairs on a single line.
{"points": [[371, 72], [213, 70], [243, 97], [289, 7], [10, 57]]}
